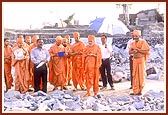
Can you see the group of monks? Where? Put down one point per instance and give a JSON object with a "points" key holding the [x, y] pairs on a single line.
{"points": [[18, 56], [79, 63]]}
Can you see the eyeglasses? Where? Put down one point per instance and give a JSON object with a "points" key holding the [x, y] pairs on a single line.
{"points": [[103, 38]]}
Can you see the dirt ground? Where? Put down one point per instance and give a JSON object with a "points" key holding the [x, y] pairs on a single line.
{"points": [[121, 88]]}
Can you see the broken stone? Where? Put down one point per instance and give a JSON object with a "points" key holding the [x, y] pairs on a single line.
{"points": [[139, 105]]}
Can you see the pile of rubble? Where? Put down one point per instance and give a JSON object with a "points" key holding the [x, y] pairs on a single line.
{"points": [[67, 101], [154, 33]]}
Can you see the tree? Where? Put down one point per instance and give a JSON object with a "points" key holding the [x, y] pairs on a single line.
{"points": [[69, 19]]}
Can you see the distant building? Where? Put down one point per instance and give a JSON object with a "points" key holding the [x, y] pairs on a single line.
{"points": [[148, 17], [132, 19], [143, 17]]}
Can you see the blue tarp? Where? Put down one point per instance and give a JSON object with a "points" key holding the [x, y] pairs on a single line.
{"points": [[96, 24], [108, 25]]}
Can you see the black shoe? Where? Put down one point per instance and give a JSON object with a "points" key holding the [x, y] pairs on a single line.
{"points": [[83, 88], [139, 93], [65, 88], [103, 88], [112, 88], [130, 87], [75, 89], [69, 84], [55, 89], [30, 90], [131, 93], [100, 85]]}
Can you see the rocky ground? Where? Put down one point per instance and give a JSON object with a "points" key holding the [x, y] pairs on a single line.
{"points": [[118, 100]]}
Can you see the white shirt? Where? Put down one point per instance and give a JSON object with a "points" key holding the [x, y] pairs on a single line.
{"points": [[37, 55], [128, 45], [19, 54], [106, 51]]}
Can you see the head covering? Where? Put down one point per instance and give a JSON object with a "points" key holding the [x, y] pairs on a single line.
{"points": [[91, 38], [76, 34], [67, 37], [58, 39], [20, 40], [136, 32], [34, 38]]}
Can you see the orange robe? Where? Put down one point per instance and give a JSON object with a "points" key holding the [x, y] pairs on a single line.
{"points": [[31, 67], [92, 65], [21, 71], [14, 45], [68, 66], [7, 67], [78, 65], [57, 66], [139, 65]]}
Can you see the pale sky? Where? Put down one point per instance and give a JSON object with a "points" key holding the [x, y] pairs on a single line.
{"points": [[21, 15]]}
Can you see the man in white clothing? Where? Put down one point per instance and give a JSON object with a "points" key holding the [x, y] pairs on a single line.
{"points": [[106, 50]]}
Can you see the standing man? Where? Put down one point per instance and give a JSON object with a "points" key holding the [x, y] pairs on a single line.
{"points": [[31, 69], [139, 48], [68, 63], [57, 65], [77, 62], [7, 64], [20, 60], [93, 56], [130, 58], [40, 55], [28, 40], [106, 50]]}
